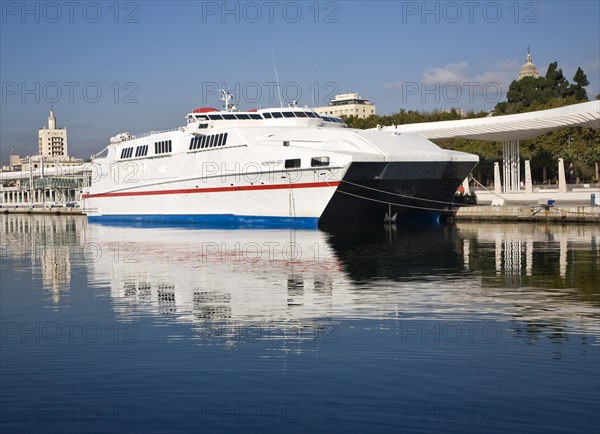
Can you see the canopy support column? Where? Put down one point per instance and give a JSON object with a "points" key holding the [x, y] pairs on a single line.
{"points": [[510, 165]]}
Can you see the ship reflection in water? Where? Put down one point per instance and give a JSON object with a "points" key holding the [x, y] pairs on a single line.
{"points": [[283, 284]]}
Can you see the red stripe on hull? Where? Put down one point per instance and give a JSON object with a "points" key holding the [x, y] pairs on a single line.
{"points": [[215, 189]]}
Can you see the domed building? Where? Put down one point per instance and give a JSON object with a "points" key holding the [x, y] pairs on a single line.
{"points": [[528, 69]]}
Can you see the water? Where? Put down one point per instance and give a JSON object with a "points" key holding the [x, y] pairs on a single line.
{"points": [[464, 328]]}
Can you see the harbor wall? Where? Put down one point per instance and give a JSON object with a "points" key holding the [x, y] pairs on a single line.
{"points": [[575, 214]]}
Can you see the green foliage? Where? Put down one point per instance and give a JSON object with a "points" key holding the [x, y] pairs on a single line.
{"points": [[408, 117], [557, 85], [551, 91], [578, 87], [579, 146]]}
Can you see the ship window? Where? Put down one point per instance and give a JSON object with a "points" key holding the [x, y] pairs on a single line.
{"points": [[195, 142], [277, 115], [229, 116], [255, 116], [215, 117], [212, 141], [220, 141], [141, 151], [162, 147], [312, 115], [267, 115], [201, 126], [201, 117], [292, 164], [243, 116], [301, 115], [225, 138], [319, 161], [126, 152], [288, 114]]}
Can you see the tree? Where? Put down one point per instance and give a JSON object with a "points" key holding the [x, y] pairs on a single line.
{"points": [[543, 164], [577, 88], [526, 93], [557, 83]]}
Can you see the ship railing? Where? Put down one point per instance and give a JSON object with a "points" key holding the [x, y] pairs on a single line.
{"points": [[141, 135]]}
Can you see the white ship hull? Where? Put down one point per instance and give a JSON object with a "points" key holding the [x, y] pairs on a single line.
{"points": [[302, 199]]}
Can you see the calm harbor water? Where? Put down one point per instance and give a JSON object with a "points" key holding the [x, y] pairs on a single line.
{"points": [[453, 328]]}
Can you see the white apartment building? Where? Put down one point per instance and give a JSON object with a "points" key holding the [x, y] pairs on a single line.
{"points": [[348, 104]]}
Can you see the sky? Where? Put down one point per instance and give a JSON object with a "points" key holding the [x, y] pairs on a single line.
{"points": [[137, 66]]}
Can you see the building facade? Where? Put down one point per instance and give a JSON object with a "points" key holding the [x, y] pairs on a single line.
{"points": [[348, 104], [52, 141]]}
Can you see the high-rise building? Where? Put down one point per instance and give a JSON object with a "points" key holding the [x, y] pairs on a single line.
{"points": [[53, 141]]}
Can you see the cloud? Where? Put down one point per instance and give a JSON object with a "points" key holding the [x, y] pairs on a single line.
{"points": [[501, 73], [452, 73], [456, 84]]}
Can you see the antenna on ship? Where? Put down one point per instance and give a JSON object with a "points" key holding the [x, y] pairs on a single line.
{"points": [[277, 81], [226, 97]]}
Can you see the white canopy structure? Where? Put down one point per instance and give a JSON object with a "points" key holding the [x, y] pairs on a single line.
{"points": [[508, 129]]}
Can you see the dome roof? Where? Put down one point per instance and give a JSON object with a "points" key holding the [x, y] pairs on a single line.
{"points": [[528, 69]]}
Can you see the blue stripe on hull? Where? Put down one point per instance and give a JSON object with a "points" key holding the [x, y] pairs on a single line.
{"points": [[220, 221]]}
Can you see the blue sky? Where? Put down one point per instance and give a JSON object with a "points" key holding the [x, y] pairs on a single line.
{"points": [[110, 67]]}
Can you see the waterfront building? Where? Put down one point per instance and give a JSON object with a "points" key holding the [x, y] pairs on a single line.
{"points": [[50, 178]]}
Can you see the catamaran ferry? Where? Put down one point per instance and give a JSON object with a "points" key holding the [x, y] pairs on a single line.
{"points": [[272, 167]]}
